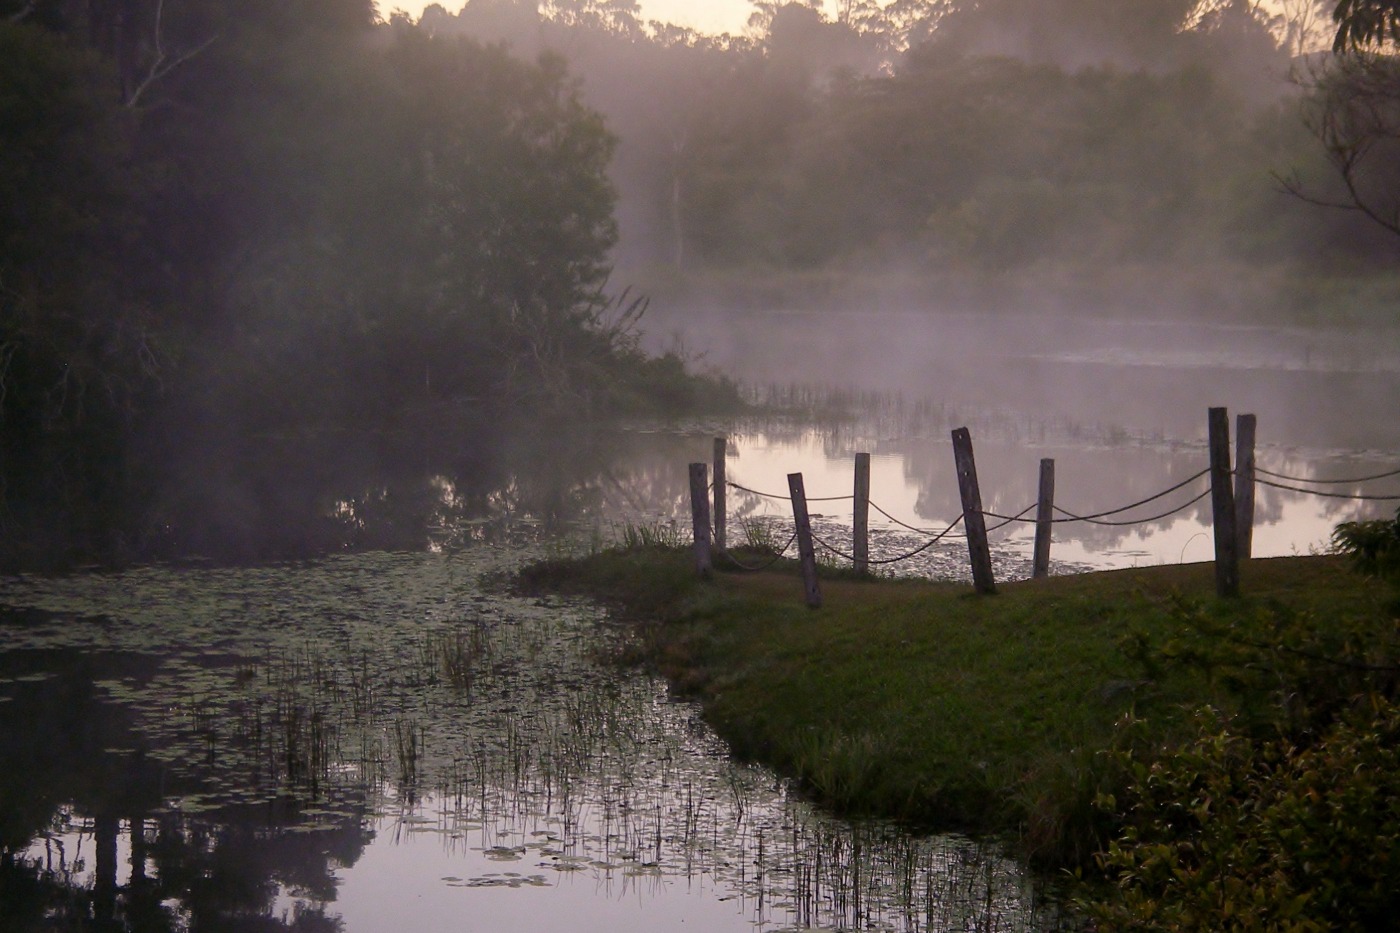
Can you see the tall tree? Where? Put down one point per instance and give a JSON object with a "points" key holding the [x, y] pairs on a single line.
{"points": [[78, 352]]}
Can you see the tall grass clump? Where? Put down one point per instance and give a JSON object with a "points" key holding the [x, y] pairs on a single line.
{"points": [[760, 537], [656, 534], [459, 652], [408, 750]]}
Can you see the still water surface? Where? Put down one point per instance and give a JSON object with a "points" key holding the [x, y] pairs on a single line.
{"points": [[388, 740], [377, 742]]}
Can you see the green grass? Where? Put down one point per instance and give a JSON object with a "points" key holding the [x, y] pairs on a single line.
{"points": [[922, 702]]}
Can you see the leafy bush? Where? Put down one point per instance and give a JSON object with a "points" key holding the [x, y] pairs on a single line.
{"points": [[1226, 833], [1374, 546], [1279, 669], [1282, 813]]}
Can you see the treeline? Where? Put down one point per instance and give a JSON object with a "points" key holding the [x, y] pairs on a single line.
{"points": [[228, 228], [1060, 140]]}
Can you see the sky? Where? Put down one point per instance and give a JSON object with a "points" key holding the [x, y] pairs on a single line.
{"points": [[709, 16]]}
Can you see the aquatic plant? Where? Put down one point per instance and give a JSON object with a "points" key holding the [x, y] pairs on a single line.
{"points": [[759, 535], [655, 534], [271, 691]]}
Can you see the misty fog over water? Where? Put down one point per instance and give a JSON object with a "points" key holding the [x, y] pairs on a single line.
{"points": [[1120, 405], [1326, 387]]}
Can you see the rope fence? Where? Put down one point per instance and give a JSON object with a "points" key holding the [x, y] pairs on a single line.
{"points": [[890, 560], [1230, 487], [1328, 495], [1327, 482], [769, 495]]}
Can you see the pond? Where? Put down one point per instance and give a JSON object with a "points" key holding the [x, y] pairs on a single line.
{"points": [[384, 739], [1120, 405], [914, 492], [377, 741]]}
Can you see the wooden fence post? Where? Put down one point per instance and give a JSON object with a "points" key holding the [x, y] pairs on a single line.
{"points": [[805, 551], [721, 541], [860, 515], [1222, 501], [1044, 518], [700, 518], [1244, 485], [973, 520]]}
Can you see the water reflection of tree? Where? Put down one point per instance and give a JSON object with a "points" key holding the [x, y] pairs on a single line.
{"points": [[543, 744], [300, 498], [304, 498], [1099, 478], [74, 760]]}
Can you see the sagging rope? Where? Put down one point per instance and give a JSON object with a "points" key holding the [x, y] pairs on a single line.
{"points": [[768, 495], [921, 531], [1136, 521], [1141, 502], [1008, 519], [889, 560], [1325, 482], [759, 568], [1327, 495], [1095, 519]]}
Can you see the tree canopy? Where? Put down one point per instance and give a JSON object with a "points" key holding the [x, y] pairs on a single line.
{"points": [[221, 227], [273, 220]]}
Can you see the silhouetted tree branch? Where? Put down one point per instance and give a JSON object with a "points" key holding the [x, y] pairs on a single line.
{"points": [[1355, 115], [1366, 23], [162, 64]]}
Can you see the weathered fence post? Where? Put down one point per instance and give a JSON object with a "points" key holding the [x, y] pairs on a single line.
{"points": [[1044, 519], [721, 541], [1244, 485], [973, 520], [807, 554], [1222, 501], [860, 515], [700, 517]]}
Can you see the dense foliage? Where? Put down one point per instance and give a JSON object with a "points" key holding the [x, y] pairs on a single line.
{"points": [[1110, 153], [1229, 833], [1284, 812], [224, 226], [1374, 549], [228, 225]]}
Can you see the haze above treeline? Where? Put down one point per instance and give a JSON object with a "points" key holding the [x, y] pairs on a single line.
{"points": [[255, 257], [1116, 156]]}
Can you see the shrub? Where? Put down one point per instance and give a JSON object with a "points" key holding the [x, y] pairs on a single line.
{"points": [[1373, 546], [1227, 833]]}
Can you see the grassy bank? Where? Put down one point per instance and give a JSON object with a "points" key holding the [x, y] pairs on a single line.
{"points": [[1037, 714]]}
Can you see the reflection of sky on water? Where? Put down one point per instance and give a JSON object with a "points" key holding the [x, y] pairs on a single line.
{"points": [[1119, 404], [549, 790], [913, 481], [432, 871]]}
